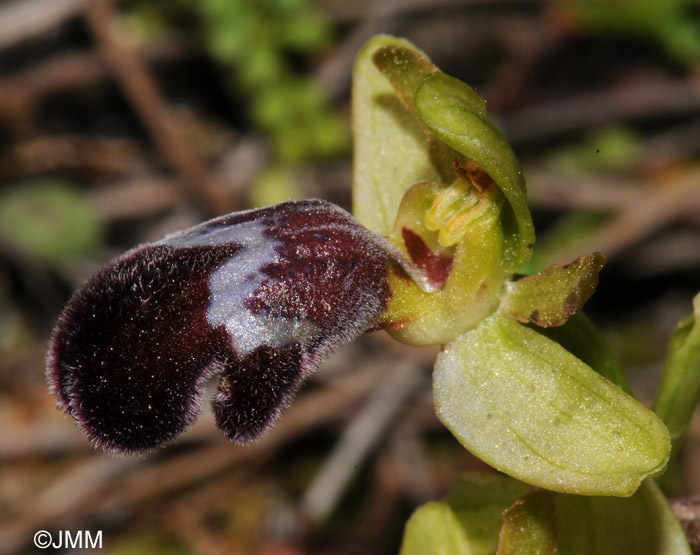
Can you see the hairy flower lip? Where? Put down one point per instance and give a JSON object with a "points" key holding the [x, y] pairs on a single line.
{"points": [[259, 297]]}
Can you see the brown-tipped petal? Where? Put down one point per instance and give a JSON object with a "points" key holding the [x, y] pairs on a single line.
{"points": [[551, 297]]}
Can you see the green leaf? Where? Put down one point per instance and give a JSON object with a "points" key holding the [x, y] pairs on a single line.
{"points": [[680, 381], [551, 297], [456, 115], [529, 408], [642, 524], [433, 529], [391, 149], [530, 526]]}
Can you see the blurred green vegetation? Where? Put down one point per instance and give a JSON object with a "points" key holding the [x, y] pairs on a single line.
{"points": [[276, 183], [48, 219], [264, 50], [567, 233], [663, 22], [608, 148]]}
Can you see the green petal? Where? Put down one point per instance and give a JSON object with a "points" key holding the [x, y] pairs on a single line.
{"points": [[551, 297], [642, 524], [405, 67], [530, 526], [391, 149], [474, 281], [455, 114], [526, 406]]}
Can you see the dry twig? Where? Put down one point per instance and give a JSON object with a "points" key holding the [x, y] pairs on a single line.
{"points": [[361, 436], [104, 485], [144, 96], [650, 213], [653, 99]]}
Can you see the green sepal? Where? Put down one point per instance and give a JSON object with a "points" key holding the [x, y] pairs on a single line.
{"points": [[680, 380], [642, 524], [391, 151], [433, 529], [529, 408], [583, 340], [530, 526], [544, 522], [410, 223], [405, 67], [476, 501], [551, 297], [456, 115]]}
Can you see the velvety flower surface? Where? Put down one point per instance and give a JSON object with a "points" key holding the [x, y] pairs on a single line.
{"points": [[258, 297]]}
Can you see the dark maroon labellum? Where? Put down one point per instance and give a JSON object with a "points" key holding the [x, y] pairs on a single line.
{"points": [[259, 297]]}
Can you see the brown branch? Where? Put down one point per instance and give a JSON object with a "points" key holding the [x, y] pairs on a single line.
{"points": [[142, 197], [636, 101], [50, 153], [361, 436], [548, 190], [638, 220], [104, 485], [144, 96], [22, 91], [22, 20], [75, 70]]}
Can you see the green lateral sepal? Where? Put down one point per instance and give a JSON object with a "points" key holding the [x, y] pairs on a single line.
{"points": [[529, 408]]}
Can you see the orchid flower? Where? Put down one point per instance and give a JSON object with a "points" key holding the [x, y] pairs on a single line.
{"points": [[261, 297]]}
